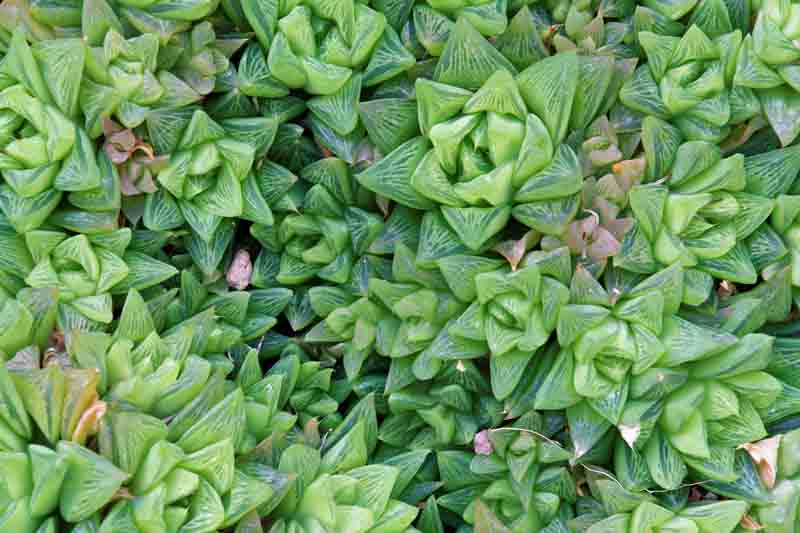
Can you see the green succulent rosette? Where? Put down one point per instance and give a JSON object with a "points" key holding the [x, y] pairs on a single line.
{"points": [[243, 315], [309, 389], [481, 176], [330, 232], [199, 57], [516, 480], [176, 474], [688, 80], [494, 140], [334, 488], [722, 516], [513, 311], [237, 88], [598, 27], [86, 270], [208, 179], [46, 157], [124, 82], [446, 411], [401, 315], [318, 47], [701, 216], [682, 395], [767, 65], [78, 274]]}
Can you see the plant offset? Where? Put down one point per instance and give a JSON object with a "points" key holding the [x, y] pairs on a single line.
{"points": [[399, 266]]}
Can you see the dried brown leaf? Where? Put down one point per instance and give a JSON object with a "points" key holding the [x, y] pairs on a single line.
{"points": [[765, 455], [514, 250]]}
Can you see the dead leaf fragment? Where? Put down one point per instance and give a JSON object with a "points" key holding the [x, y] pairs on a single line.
{"points": [[765, 455]]}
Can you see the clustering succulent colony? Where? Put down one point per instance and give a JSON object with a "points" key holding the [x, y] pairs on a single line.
{"points": [[399, 266]]}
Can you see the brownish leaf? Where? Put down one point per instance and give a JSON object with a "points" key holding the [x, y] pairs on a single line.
{"points": [[765, 455], [514, 250], [89, 422], [748, 522]]}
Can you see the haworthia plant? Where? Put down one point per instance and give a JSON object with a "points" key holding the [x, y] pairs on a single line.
{"points": [[398, 266]]}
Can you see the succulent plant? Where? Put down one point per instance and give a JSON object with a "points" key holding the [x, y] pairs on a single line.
{"points": [[513, 312], [330, 233], [446, 411], [721, 516], [207, 174], [766, 65], [673, 389], [87, 271], [46, 156], [123, 81], [333, 488], [688, 80], [400, 317], [515, 480], [702, 214], [321, 48]]}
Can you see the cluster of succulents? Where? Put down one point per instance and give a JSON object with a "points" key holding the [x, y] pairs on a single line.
{"points": [[399, 267]]}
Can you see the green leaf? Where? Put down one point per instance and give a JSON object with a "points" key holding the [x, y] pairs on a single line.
{"points": [[549, 88], [391, 176], [468, 60]]}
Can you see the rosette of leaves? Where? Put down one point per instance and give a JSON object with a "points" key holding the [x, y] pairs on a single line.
{"points": [[682, 395], [703, 214], [86, 270], [513, 311], [330, 232], [399, 315], [770, 482], [516, 480], [596, 233], [308, 389], [767, 65], [320, 48], [773, 246], [497, 138], [181, 454], [334, 486], [722, 516], [46, 157], [442, 412], [488, 154], [243, 316], [161, 368], [688, 81], [133, 157], [123, 81], [593, 27], [208, 177], [198, 58], [174, 474]]}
